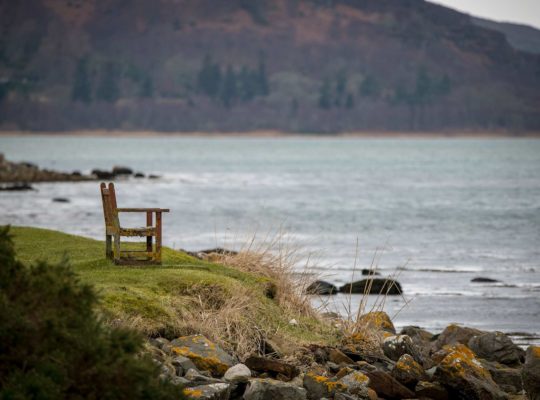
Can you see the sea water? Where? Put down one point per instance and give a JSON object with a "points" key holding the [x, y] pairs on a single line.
{"points": [[433, 212]]}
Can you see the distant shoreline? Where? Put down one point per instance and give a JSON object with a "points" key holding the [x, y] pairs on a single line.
{"points": [[276, 134]]}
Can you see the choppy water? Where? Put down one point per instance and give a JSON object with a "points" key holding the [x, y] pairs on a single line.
{"points": [[445, 210]]}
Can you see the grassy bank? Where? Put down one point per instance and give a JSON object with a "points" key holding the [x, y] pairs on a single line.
{"points": [[238, 309]]}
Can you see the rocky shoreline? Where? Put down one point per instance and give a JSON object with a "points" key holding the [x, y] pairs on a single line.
{"points": [[18, 176], [375, 362]]}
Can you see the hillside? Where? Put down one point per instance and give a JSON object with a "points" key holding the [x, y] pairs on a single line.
{"points": [[522, 37], [238, 65]]}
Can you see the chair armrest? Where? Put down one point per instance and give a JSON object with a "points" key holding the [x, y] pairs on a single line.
{"points": [[142, 210]]}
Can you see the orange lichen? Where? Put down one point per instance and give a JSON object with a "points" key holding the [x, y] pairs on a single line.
{"points": [[536, 351], [193, 393], [378, 320], [461, 361], [206, 363]]}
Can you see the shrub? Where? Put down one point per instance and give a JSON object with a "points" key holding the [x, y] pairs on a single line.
{"points": [[53, 345]]}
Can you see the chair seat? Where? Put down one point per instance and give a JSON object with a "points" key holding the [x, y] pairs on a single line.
{"points": [[144, 231]]}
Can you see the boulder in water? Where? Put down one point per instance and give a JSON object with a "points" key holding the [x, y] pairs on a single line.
{"points": [[373, 286]]}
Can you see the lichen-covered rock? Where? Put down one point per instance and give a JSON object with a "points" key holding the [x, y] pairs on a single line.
{"points": [[356, 383], [454, 334], [508, 379], [269, 389], [387, 387], [466, 378], [407, 371], [319, 386], [531, 373], [423, 340], [237, 373], [496, 346], [215, 391], [396, 346], [377, 320], [205, 354], [262, 364], [431, 390]]}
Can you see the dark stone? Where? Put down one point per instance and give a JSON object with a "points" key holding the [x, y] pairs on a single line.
{"points": [[408, 372], [17, 187], [508, 379], [139, 175], [531, 373], [422, 339], [151, 176], [453, 334], [387, 387], [375, 286], [321, 288], [369, 272], [60, 200], [484, 280], [431, 390], [119, 170], [338, 357], [76, 173], [261, 364], [102, 174], [219, 250], [496, 346]]}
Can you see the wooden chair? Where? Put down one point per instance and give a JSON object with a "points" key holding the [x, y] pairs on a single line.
{"points": [[113, 231]]}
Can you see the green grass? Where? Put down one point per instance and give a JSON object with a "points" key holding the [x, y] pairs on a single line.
{"points": [[184, 295]]}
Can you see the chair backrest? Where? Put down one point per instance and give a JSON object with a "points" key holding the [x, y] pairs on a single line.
{"points": [[108, 197]]}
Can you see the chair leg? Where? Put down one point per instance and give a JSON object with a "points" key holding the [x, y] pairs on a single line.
{"points": [[149, 238], [116, 248], [158, 238], [108, 247]]}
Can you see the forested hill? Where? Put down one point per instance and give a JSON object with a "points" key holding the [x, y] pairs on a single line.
{"points": [[242, 65]]}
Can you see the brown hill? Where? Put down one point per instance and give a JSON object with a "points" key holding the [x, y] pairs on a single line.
{"points": [[239, 65]]}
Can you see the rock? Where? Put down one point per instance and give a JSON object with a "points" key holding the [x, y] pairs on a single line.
{"points": [[431, 390], [17, 187], [102, 174], [377, 320], [178, 380], [237, 373], [195, 378], [422, 339], [182, 364], [408, 372], [531, 373], [119, 170], [261, 364], [338, 357], [215, 391], [396, 346], [356, 383], [158, 342], [205, 355], [481, 279], [319, 386], [454, 334], [60, 200], [496, 346], [387, 387], [508, 379], [465, 377], [151, 176], [269, 389], [369, 272], [321, 288], [76, 173], [139, 175], [373, 286]]}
